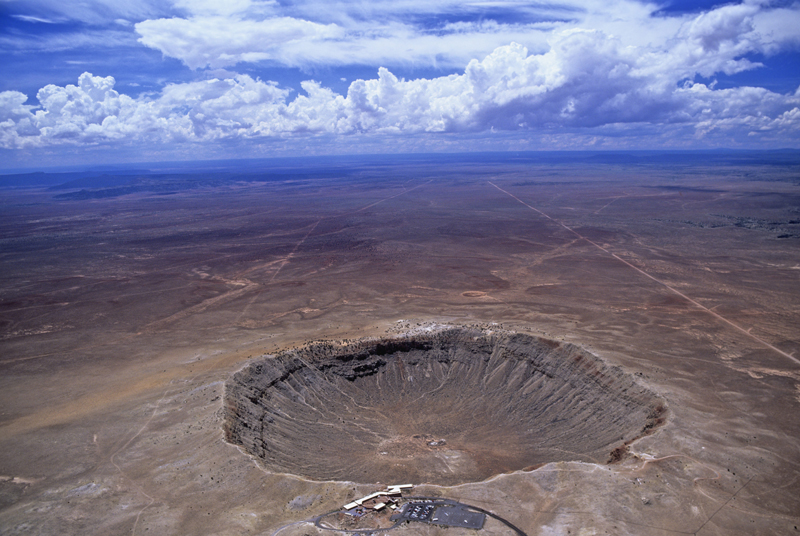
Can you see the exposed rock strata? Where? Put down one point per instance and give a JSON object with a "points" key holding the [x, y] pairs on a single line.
{"points": [[446, 407]]}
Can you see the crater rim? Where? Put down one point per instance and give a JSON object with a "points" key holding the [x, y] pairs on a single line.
{"points": [[419, 451]]}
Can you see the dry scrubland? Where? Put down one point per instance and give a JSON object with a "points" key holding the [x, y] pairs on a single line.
{"points": [[124, 312]]}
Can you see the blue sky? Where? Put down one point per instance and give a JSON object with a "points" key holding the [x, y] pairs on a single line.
{"points": [[104, 81]]}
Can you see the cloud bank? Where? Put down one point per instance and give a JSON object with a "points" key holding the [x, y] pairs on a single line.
{"points": [[578, 80], [309, 34]]}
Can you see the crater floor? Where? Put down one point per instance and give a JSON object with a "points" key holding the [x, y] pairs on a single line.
{"points": [[447, 406]]}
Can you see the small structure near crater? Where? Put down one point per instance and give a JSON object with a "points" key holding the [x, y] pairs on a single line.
{"points": [[445, 406], [378, 500], [367, 515]]}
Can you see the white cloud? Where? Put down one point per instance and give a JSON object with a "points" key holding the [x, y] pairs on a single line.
{"points": [[400, 33], [91, 11], [220, 41], [585, 81], [214, 7], [31, 18], [67, 41], [778, 28], [396, 33], [570, 80], [215, 42], [347, 32]]}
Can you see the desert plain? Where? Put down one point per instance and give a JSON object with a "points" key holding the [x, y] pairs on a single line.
{"points": [[129, 300]]}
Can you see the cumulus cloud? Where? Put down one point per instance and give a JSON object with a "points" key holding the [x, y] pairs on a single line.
{"points": [[93, 112], [577, 80], [586, 80]]}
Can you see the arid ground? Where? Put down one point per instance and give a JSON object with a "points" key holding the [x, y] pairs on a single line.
{"points": [[126, 305]]}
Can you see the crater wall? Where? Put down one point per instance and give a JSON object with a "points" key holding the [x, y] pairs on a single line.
{"points": [[446, 407]]}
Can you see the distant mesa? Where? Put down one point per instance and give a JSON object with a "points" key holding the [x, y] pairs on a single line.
{"points": [[446, 406]]}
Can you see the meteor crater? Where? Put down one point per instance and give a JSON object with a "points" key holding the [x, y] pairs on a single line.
{"points": [[447, 406]]}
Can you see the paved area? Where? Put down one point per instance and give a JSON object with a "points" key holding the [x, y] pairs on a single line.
{"points": [[445, 512], [422, 512], [458, 516]]}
